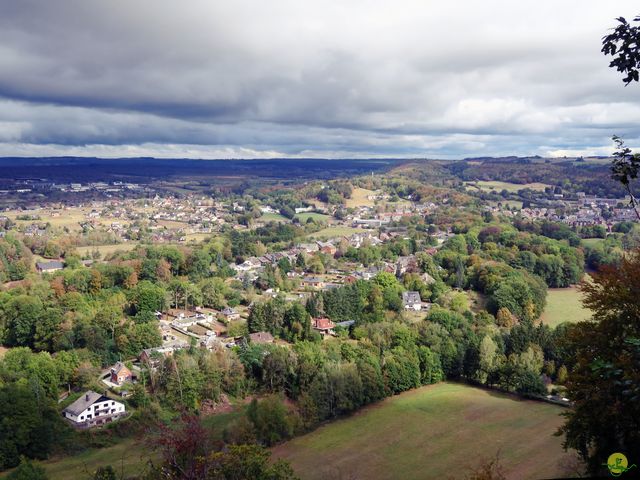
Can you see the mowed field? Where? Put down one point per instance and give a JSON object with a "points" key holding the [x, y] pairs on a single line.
{"points": [[438, 431], [107, 249], [359, 198], [273, 217], [498, 186], [337, 231], [70, 218], [564, 305], [318, 217], [592, 242]]}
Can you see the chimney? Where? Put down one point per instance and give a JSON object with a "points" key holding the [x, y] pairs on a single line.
{"points": [[86, 397]]}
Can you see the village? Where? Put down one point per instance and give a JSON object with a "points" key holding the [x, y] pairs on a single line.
{"points": [[175, 220]]}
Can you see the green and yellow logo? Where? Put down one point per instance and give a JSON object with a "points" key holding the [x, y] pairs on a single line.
{"points": [[618, 464]]}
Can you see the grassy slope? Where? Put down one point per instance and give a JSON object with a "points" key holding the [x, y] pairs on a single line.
{"points": [[337, 231], [303, 217], [564, 305], [436, 432], [107, 249], [359, 198], [273, 217], [129, 455], [592, 242], [498, 186]]}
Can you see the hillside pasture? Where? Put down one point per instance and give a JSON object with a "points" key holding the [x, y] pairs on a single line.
{"points": [[498, 186], [434, 432], [318, 217], [359, 198], [106, 250], [336, 231], [564, 305], [129, 457], [591, 242], [273, 217], [69, 218]]}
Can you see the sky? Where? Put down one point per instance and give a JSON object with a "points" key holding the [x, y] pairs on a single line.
{"points": [[302, 78]]}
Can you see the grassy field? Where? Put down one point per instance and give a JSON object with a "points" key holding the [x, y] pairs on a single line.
{"points": [[69, 218], [439, 431], [197, 237], [337, 231], [273, 217], [107, 249], [592, 242], [303, 217], [129, 456], [509, 187], [509, 203], [564, 305], [359, 198]]}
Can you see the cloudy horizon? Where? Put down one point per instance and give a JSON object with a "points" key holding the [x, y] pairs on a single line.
{"points": [[332, 79]]}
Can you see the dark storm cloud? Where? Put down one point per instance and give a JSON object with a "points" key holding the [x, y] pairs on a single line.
{"points": [[333, 78]]}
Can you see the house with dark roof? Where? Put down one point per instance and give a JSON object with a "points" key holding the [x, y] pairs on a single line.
{"points": [[412, 301], [346, 323], [230, 314], [312, 282], [48, 267], [93, 409]]}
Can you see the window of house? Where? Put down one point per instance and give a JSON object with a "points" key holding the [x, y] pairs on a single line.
{"points": [[82, 417]]}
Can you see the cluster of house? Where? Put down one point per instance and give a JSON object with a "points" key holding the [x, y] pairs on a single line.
{"points": [[368, 217], [40, 185], [205, 325], [252, 266], [586, 215]]}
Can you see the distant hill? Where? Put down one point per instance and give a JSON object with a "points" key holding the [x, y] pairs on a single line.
{"points": [[145, 170]]}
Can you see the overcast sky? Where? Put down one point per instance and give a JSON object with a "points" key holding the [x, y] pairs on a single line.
{"points": [[230, 79]]}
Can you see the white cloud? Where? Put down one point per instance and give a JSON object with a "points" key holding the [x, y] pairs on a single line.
{"points": [[333, 78]]}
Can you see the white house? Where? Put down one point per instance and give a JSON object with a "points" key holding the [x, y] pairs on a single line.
{"points": [[412, 301], [93, 409]]}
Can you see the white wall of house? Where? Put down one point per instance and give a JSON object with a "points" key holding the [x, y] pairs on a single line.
{"points": [[97, 410]]}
